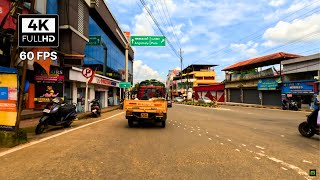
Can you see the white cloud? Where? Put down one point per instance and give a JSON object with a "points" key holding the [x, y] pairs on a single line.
{"points": [[153, 55], [177, 68], [190, 49], [295, 6], [284, 32], [248, 50], [125, 27], [143, 72], [277, 3], [190, 22], [184, 39], [143, 24]]}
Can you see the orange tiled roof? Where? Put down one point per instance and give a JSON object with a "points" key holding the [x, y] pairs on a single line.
{"points": [[259, 61]]}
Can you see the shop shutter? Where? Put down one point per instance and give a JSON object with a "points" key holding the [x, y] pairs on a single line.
{"points": [[272, 98], [235, 95], [251, 96]]}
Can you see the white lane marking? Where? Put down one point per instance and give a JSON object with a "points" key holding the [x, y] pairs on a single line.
{"points": [[260, 154], [221, 143], [217, 136], [257, 157], [229, 140], [199, 134], [282, 135], [260, 147], [210, 139], [244, 145], [305, 161], [284, 168], [237, 150], [262, 151], [297, 169], [17, 148]]}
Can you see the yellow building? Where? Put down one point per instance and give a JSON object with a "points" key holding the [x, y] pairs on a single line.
{"points": [[193, 76]]}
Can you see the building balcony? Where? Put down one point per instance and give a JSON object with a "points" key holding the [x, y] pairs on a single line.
{"points": [[257, 75]]}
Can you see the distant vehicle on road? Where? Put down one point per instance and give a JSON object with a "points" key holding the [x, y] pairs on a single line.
{"points": [[204, 100], [178, 99]]}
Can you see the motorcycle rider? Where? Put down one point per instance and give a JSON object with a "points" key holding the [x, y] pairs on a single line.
{"points": [[314, 114]]}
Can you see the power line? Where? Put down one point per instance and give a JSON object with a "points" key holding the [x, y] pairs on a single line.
{"points": [[157, 24], [152, 25], [163, 19], [166, 7], [225, 47]]}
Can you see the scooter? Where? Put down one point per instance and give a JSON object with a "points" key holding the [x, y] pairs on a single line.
{"points": [[121, 104], [56, 114], [291, 106], [309, 127], [95, 108]]}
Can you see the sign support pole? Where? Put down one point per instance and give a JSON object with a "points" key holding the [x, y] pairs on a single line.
{"points": [[86, 108], [127, 69]]}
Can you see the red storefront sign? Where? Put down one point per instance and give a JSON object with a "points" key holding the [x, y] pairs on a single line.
{"points": [[4, 9], [49, 78]]}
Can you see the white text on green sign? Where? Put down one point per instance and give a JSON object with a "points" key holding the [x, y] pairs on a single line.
{"points": [[148, 41]]}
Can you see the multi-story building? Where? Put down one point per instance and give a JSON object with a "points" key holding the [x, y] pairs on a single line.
{"points": [[169, 81], [78, 21], [256, 81], [193, 76], [301, 79]]}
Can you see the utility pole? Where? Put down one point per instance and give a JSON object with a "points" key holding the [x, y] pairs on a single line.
{"points": [[181, 68], [24, 68], [127, 70]]}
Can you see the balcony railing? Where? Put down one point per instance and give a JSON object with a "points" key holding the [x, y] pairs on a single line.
{"points": [[262, 74]]}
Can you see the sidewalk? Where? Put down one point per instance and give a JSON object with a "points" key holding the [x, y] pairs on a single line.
{"points": [[31, 122], [255, 106]]}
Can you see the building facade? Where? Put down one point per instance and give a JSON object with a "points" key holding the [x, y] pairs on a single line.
{"points": [[78, 21], [301, 79], [256, 81], [192, 76]]}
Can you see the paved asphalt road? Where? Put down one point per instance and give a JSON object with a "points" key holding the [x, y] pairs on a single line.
{"points": [[198, 143]]}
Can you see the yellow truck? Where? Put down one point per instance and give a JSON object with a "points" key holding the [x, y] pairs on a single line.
{"points": [[154, 110]]}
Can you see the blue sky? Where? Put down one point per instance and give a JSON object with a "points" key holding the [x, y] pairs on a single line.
{"points": [[219, 32]]}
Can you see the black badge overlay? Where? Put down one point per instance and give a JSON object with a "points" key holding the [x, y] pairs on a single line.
{"points": [[38, 30]]}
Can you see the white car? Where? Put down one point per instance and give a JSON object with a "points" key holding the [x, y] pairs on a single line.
{"points": [[204, 100], [178, 99]]}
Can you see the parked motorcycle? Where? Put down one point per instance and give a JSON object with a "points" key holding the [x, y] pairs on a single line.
{"points": [[309, 127], [290, 105], [56, 113], [95, 108]]}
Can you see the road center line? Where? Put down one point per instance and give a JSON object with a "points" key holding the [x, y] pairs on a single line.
{"points": [[260, 147], [257, 157], [17, 148], [305, 161], [237, 150], [284, 168]]}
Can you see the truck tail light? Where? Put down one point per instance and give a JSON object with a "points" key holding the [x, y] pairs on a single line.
{"points": [[157, 104], [129, 113]]}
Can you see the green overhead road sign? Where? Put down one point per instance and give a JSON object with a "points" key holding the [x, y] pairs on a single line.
{"points": [[125, 84], [148, 41], [94, 41]]}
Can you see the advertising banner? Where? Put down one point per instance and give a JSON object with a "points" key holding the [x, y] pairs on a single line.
{"points": [[268, 84], [49, 86], [8, 101], [303, 87]]}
